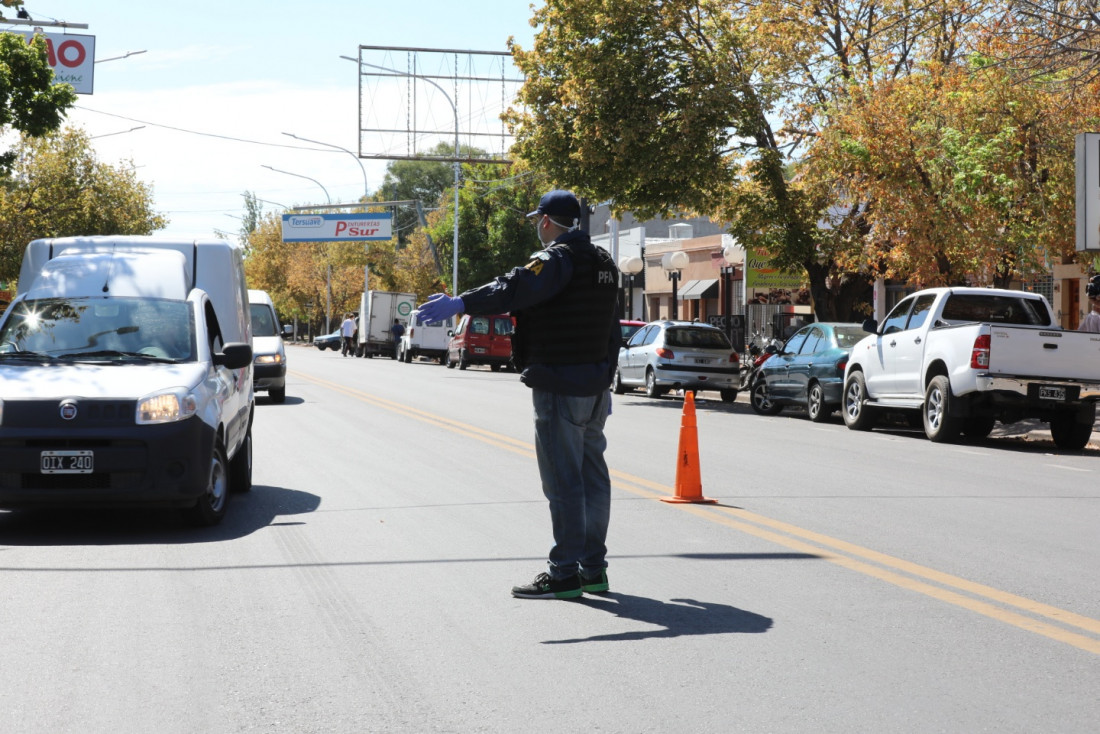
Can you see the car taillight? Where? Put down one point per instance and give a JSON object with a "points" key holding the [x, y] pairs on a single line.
{"points": [[840, 366], [665, 353], [979, 356], [735, 358]]}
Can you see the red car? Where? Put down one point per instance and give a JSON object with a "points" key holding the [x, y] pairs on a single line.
{"points": [[481, 340]]}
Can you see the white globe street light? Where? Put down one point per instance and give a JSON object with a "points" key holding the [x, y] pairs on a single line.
{"points": [[672, 263], [630, 266]]}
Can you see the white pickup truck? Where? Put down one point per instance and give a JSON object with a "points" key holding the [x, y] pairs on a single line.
{"points": [[964, 358]]}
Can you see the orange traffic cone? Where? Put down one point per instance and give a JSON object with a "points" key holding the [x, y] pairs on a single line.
{"points": [[689, 486]]}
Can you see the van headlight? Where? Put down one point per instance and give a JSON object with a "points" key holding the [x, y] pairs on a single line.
{"points": [[269, 359], [166, 407]]}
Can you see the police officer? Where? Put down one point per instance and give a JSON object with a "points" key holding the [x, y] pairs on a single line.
{"points": [[566, 345]]}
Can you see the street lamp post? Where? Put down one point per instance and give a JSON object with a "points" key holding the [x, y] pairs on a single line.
{"points": [[630, 266], [730, 258], [366, 195], [328, 270], [672, 263], [454, 108], [366, 188]]}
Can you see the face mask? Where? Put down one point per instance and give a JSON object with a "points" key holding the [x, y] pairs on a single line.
{"points": [[543, 241]]}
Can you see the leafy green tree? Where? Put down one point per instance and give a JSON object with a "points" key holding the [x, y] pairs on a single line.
{"points": [[713, 106], [29, 100], [493, 233], [59, 188], [253, 212]]}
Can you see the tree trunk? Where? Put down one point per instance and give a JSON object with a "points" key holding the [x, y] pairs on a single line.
{"points": [[841, 301]]}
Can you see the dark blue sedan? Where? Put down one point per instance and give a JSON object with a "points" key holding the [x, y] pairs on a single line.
{"points": [[808, 371]]}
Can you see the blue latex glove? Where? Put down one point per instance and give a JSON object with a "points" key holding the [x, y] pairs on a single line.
{"points": [[439, 307]]}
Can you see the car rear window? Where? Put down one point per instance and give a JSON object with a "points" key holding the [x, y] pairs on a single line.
{"points": [[847, 336], [700, 338], [963, 307]]}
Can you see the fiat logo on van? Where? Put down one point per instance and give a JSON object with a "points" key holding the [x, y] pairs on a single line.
{"points": [[68, 410]]}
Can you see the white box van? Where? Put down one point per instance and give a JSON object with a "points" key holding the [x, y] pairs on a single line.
{"points": [[126, 376], [429, 339], [268, 352]]}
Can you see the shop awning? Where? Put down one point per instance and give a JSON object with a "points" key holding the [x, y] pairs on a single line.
{"points": [[693, 290]]}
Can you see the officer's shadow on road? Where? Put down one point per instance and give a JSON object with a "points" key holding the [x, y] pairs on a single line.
{"points": [[248, 512], [675, 618]]}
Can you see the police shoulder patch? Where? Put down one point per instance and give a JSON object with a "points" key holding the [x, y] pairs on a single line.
{"points": [[539, 259]]}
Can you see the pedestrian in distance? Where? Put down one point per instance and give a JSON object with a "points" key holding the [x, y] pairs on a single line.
{"points": [[398, 330], [1091, 322], [565, 345], [347, 332]]}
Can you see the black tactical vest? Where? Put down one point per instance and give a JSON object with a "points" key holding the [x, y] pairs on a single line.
{"points": [[574, 326]]}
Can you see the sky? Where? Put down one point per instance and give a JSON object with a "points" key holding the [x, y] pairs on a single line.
{"points": [[218, 83]]}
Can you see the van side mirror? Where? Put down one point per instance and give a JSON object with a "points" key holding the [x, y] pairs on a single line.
{"points": [[450, 332], [287, 330], [234, 355], [871, 326]]}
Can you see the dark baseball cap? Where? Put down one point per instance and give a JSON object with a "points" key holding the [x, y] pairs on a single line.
{"points": [[558, 203]]}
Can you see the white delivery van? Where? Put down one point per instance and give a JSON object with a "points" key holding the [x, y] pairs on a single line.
{"points": [[268, 352], [428, 339], [378, 310], [126, 376]]}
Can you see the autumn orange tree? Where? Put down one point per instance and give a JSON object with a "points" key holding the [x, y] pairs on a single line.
{"points": [[962, 174], [297, 273]]}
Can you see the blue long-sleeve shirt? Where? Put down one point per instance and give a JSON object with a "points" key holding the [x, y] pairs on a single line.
{"points": [[540, 280]]}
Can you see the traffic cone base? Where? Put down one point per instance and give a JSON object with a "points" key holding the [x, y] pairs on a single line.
{"points": [[689, 485]]}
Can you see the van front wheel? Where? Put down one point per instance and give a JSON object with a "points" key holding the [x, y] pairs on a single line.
{"points": [[209, 509]]}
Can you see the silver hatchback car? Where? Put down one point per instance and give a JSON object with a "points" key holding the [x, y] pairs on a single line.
{"points": [[666, 355]]}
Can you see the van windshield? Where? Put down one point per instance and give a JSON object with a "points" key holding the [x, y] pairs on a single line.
{"points": [[263, 320], [99, 329]]}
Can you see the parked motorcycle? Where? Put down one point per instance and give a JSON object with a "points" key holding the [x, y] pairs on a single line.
{"points": [[757, 355]]}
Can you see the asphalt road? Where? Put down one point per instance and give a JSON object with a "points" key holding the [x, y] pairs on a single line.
{"points": [[842, 582]]}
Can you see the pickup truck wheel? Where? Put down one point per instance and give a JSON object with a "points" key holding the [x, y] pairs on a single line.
{"points": [[939, 425], [760, 402], [210, 507], [651, 389], [277, 394], [858, 416], [815, 404], [617, 383], [1068, 433]]}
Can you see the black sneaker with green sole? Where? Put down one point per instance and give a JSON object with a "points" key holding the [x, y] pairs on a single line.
{"points": [[596, 584], [545, 587]]}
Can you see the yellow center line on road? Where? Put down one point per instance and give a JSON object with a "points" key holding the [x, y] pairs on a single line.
{"points": [[833, 550]]}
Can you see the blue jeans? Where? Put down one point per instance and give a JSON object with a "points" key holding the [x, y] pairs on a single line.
{"points": [[569, 444]]}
